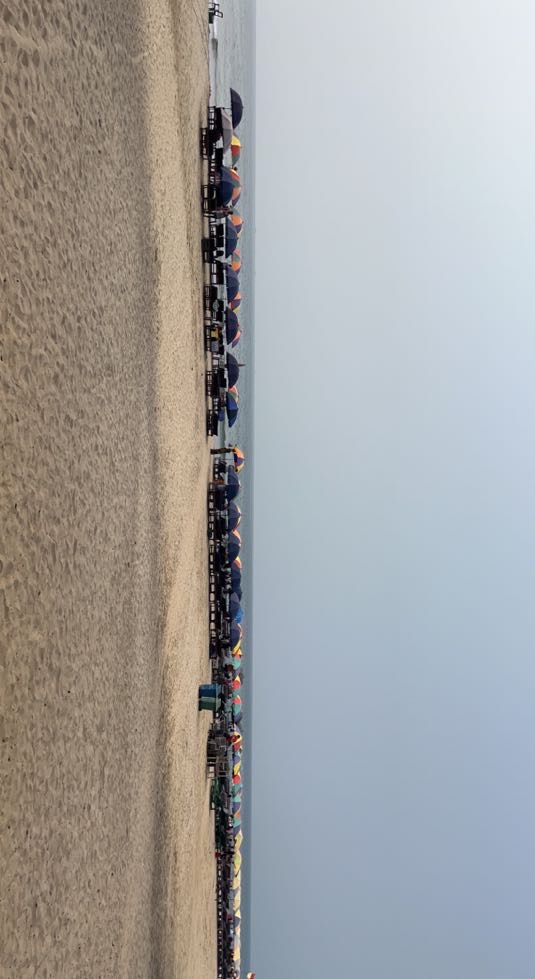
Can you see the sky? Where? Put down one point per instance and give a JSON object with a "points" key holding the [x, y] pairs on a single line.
{"points": [[394, 505]]}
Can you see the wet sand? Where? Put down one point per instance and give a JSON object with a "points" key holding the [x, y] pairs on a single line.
{"points": [[106, 845]]}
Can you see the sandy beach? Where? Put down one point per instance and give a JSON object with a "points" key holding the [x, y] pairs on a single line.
{"points": [[106, 855]]}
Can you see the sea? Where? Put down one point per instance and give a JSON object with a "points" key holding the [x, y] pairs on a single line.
{"points": [[232, 64]]}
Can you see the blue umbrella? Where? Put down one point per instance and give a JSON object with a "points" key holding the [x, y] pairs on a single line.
{"points": [[233, 370], [231, 238], [232, 409], [239, 615], [236, 107], [235, 607], [235, 578], [234, 547], [233, 484], [232, 325], [224, 187], [233, 285], [234, 516]]}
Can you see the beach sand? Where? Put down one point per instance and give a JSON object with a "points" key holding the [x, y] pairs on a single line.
{"points": [[106, 855]]}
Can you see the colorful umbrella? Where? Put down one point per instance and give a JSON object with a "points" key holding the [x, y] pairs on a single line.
{"points": [[235, 148], [236, 302], [237, 221], [235, 262], [239, 459], [236, 632], [231, 238]]}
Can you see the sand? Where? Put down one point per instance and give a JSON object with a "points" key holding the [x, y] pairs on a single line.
{"points": [[106, 846]]}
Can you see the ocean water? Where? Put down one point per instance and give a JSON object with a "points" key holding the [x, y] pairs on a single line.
{"points": [[233, 64]]}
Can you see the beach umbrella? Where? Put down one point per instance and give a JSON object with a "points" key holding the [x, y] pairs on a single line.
{"points": [[237, 902], [236, 779], [233, 516], [235, 262], [235, 578], [234, 392], [236, 768], [234, 605], [233, 483], [236, 340], [236, 683], [235, 177], [235, 303], [239, 459], [233, 284], [237, 221], [236, 194], [237, 861], [232, 325], [233, 370], [231, 238], [237, 700], [236, 107], [226, 128], [234, 546], [235, 148], [232, 409], [239, 616], [224, 187], [236, 633]]}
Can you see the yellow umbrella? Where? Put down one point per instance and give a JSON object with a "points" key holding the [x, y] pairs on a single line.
{"points": [[235, 148], [238, 839], [237, 901]]}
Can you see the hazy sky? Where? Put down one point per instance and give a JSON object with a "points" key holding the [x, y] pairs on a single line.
{"points": [[394, 614]]}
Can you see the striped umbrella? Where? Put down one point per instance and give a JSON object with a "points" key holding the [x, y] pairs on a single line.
{"points": [[235, 262], [236, 302], [233, 516], [239, 459], [235, 148], [237, 221]]}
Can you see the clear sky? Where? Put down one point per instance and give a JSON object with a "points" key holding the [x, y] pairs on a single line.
{"points": [[394, 570]]}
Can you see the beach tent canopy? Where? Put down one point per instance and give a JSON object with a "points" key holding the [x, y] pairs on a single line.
{"points": [[236, 107]]}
